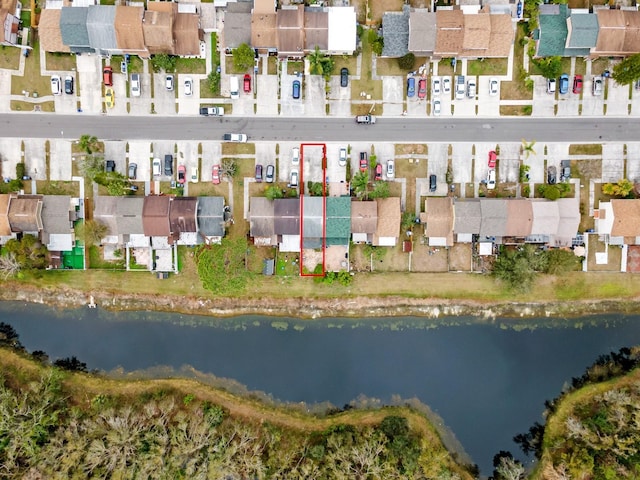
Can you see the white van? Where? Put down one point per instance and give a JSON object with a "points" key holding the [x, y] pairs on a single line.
{"points": [[234, 88]]}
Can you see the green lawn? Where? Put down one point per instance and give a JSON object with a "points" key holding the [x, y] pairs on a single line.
{"points": [[488, 66], [191, 65]]}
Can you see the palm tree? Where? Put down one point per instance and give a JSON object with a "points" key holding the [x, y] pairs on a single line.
{"points": [[88, 143], [360, 185], [527, 147], [320, 64]]}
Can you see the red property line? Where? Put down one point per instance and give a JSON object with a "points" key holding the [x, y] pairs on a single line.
{"points": [[324, 207]]}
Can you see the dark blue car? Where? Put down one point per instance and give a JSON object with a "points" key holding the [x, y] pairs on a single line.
{"points": [[411, 87], [564, 83], [296, 89]]}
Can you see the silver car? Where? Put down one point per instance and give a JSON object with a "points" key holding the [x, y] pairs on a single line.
{"points": [[343, 157], [135, 84]]}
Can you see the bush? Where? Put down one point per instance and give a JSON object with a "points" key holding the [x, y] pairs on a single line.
{"points": [[407, 61], [21, 170]]}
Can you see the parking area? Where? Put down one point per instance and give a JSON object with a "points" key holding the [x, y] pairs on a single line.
{"points": [[481, 166], [462, 162], [290, 106], [543, 102], [339, 97], [120, 106], [188, 156], [59, 160], [556, 152], [211, 155], [535, 161], [488, 105], [592, 105], [612, 162], [117, 151], [568, 104], [633, 161], [140, 154], [265, 155], [315, 96], [89, 79], [465, 107], [139, 105], [617, 98], [437, 165], [267, 99], [394, 90], [10, 152], [335, 173], [509, 162], [35, 155], [164, 101], [66, 103], [284, 161]]}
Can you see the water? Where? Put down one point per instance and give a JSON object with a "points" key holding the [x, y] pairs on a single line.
{"points": [[487, 383]]}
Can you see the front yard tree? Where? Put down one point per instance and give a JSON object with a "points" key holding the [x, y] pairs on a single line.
{"points": [[320, 64], [550, 67], [360, 185], [272, 192], [88, 143], [93, 231], [228, 168], [407, 61], [380, 190], [165, 62], [622, 188], [628, 70], [243, 57]]}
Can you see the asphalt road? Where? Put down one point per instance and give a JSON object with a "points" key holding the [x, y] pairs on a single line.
{"points": [[584, 130]]}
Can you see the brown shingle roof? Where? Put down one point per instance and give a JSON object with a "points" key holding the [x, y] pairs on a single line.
{"points": [[286, 213], [619, 32], [186, 30], [449, 32], [502, 36], [439, 217], [158, 29], [9, 5], [316, 30], [49, 31], [155, 216], [182, 215], [388, 217], [626, 221], [519, 217], [264, 6], [364, 217], [128, 26], [5, 227], [477, 30], [290, 30], [263, 30], [473, 35], [25, 214]]}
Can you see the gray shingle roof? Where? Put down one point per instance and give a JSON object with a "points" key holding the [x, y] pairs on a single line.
{"points": [[100, 25], [312, 218], [395, 30], [467, 216], [553, 30], [211, 216], [584, 31], [55, 214], [73, 26], [237, 24]]}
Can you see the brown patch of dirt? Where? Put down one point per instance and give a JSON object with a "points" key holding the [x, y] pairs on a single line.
{"points": [[411, 149]]}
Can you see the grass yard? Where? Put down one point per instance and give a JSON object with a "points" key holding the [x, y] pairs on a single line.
{"points": [[585, 149], [445, 68], [389, 66], [287, 264], [411, 149], [32, 81], [56, 187], [60, 61], [515, 110], [10, 58], [488, 66], [365, 108], [345, 61], [20, 106], [517, 89], [191, 65], [294, 67], [581, 66], [272, 65], [599, 66], [232, 148]]}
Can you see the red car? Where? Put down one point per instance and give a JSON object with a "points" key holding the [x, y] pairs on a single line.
{"points": [[577, 84], [364, 162], [378, 175], [422, 88], [182, 174], [492, 159], [107, 76], [215, 174], [247, 83]]}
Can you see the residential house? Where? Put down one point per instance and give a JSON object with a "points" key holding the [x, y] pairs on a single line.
{"points": [[211, 222], [25, 214], [618, 34], [437, 220], [11, 24], [263, 26], [286, 213], [565, 33], [389, 219], [467, 219], [187, 34], [101, 29], [157, 27], [128, 25], [155, 220], [422, 32], [237, 24], [49, 32], [123, 219], [342, 34], [316, 29], [619, 221], [290, 31], [182, 220], [73, 29], [364, 220], [262, 222], [395, 29], [58, 217], [5, 227], [337, 233], [312, 222], [582, 33]]}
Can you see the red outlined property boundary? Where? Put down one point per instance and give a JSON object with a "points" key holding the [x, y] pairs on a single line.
{"points": [[324, 207]]}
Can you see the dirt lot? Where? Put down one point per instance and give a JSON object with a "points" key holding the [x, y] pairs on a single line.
{"points": [[460, 257], [426, 258], [614, 256]]}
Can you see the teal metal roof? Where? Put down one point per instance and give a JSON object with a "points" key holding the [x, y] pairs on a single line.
{"points": [[553, 30], [584, 31]]}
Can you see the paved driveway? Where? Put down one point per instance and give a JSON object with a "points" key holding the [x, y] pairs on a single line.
{"points": [[35, 157], [315, 98], [437, 164], [141, 105], [543, 102], [633, 161], [556, 152], [120, 92], [568, 104], [289, 106], [311, 162], [164, 101], [535, 160], [116, 150], [160, 149], [591, 105], [393, 91], [59, 160], [635, 102], [188, 156], [617, 98], [481, 167], [10, 152], [244, 105], [140, 154], [488, 106], [67, 103], [335, 172], [465, 107], [267, 97], [339, 97], [284, 163], [265, 155], [462, 162], [211, 155], [612, 162], [509, 162], [188, 105], [89, 82]]}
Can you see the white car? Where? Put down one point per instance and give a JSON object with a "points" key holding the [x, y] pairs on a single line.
{"points": [[493, 87], [156, 169], [446, 85], [597, 86], [135, 84], [188, 86], [295, 156], [235, 137], [168, 82], [194, 174], [56, 85], [436, 108], [435, 86], [491, 179], [391, 169], [343, 157]]}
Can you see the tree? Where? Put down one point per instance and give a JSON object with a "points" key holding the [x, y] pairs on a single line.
{"points": [[272, 192], [88, 143], [9, 265], [527, 148], [222, 268], [510, 469], [165, 62], [554, 192], [320, 64], [243, 57], [28, 251], [380, 190], [622, 188], [71, 363], [228, 168], [628, 70], [406, 62], [315, 189], [213, 82], [360, 184], [9, 337], [376, 41], [93, 231], [550, 67], [560, 261]]}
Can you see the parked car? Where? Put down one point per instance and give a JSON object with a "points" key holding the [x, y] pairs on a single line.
{"points": [[258, 173], [182, 174], [491, 179], [110, 166], [135, 84], [519, 10], [235, 137], [411, 87], [551, 85], [295, 156], [156, 167], [168, 164], [344, 77], [436, 108], [68, 85], [422, 88], [109, 98], [493, 156], [577, 84], [460, 87], [563, 88], [188, 86], [435, 85], [133, 168], [433, 183], [446, 85], [168, 82], [391, 169], [296, 89], [598, 86], [471, 88], [551, 174], [565, 170], [343, 157], [378, 172], [364, 162], [246, 83], [212, 111], [494, 86], [215, 174], [293, 182], [56, 88], [193, 174], [107, 76], [271, 173]]}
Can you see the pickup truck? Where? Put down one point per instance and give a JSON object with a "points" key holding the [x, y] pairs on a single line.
{"points": [[212, 111], [366, 119]]}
